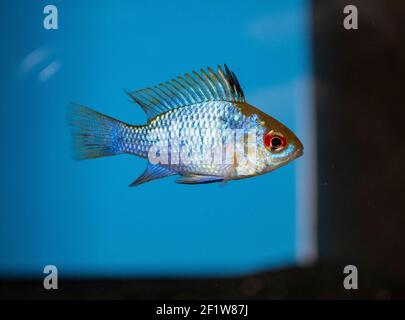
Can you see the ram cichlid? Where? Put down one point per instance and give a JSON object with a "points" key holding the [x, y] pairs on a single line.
{"points": [[199, 127]]}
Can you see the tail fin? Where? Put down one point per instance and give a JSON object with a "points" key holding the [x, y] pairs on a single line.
{"points": [[94, 135]]}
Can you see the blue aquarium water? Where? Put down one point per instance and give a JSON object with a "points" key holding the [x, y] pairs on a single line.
{"points": [[81, 216]]}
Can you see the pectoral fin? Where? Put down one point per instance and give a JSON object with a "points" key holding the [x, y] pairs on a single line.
{"points": [[198, 179], [152, 172]]}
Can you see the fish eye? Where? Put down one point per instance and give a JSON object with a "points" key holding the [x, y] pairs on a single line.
{"points": [[274, 141]]}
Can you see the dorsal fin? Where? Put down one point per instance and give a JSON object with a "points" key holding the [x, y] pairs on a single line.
{"points": [[190, 89]]}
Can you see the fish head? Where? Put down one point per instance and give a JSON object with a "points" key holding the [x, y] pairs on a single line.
{"points": [[277, 143]]}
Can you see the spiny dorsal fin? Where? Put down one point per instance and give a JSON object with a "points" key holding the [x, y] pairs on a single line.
{"points": [[190, 89]]}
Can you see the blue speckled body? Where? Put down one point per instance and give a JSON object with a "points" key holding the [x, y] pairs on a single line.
{"points": [[203, 126]]}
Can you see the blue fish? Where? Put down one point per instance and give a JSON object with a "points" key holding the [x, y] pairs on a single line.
{"points": [[199, 127]]}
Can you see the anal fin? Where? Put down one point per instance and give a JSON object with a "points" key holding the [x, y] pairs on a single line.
{"points": [[199, 179], [152, 172]]}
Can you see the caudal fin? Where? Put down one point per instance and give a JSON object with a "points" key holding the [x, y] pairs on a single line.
{"points": [[94, 135]]}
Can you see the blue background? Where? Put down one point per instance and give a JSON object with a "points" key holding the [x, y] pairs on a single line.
{"points": [[81, 216]]}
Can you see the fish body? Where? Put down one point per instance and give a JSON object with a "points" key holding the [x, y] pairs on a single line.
{"points": [[200, 128]]}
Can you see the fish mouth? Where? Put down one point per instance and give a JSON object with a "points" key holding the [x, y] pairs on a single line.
{"points": [[294, 155], [299, 153]]}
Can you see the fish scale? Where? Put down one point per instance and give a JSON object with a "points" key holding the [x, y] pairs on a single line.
{"points": [[196, 125]]}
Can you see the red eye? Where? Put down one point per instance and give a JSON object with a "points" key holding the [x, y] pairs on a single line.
{"points": [[274, 141]]}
